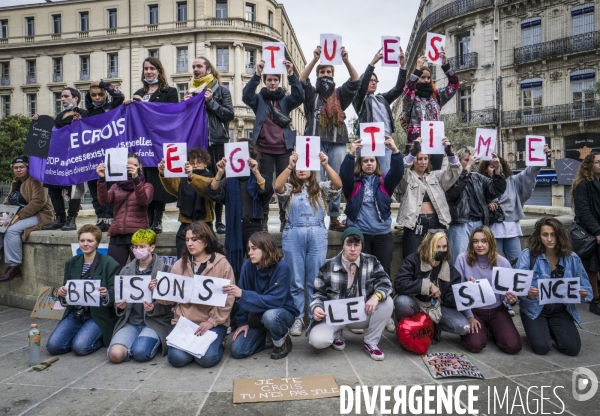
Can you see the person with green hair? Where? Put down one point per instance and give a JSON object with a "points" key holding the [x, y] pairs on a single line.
{"points": [[142, 327]]}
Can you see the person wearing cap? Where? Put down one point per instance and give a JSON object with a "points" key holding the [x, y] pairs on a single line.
{"points": [[35, 211], [351, 274]]}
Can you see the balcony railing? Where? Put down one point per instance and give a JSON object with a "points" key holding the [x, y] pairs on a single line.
{"points": [[5, 80], [31, 79], [250, 69], [84, 34], [112, 74], [471, 118], [242, 23], [29, 39], [152, 28], [585, 42], [464, 61], [551, 114], [57, 77], [111, 31], [181, 24], [223, 68], [84, 76]]}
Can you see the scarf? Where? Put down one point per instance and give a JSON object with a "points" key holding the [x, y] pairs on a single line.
{"points": [[128, 185], [202, 83], [233, 219], [325, 86], [424, 89], [276, 95], [194, 206], [596, 196], [332, 116]]}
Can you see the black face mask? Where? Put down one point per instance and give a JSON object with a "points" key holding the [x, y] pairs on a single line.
{"points": [[440, 255], [325, 86], [424, 89]]}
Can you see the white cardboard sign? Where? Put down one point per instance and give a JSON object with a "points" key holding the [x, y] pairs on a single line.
{"points": [[237, 155], [274, 54], [469, 295], [485, 143], [175, 155], [115, 160], [208, 290], [432, 135], [435, 44], [372, 137], [133, 289], [308, 149], [534, 151], [345, 311], [331, 49], [390, 46], [173, 288], [83, 292], [560, 290], [505, 279]]}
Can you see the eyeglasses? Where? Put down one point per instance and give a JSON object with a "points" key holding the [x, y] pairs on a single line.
{"points": [[375, 81], [20, 168]]}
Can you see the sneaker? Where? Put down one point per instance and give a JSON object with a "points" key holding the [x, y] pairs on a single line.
{"points": [[374, 352], [220, 228], [339, 343], [595, 306], [296, 329], [357, 331], [284, 350], [391, 326], [511, 311], [102, 223]]}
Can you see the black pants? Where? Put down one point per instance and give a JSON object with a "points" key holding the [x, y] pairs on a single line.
{"points": [[553, 323], [382, 247], [217, 152], [180, 237], [58, 201], [274, 163], [102, 211], [411, 240], [120, 253]]}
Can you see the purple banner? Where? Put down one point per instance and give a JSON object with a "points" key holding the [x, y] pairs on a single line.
{"points": [[77, 149]]}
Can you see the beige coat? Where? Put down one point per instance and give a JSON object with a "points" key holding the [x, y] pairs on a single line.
{"points": [[38, 204]]}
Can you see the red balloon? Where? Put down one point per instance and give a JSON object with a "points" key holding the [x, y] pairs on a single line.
{"points": [[415, 333]]}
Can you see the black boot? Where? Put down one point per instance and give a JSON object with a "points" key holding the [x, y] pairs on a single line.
{"points": [[150, 218], [284, 350], [70, 224], [157, 224], [59, 222], [102, 224]]}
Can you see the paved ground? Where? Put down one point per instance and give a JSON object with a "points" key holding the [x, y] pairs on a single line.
{"points": [[93, 386]]}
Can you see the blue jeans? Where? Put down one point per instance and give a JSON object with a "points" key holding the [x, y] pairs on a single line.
{"points": [[459, 236], [141, 342], [509, 247], [276, 321], [12, 243], [72, 334], [178, 358], [385, 161], [453, 321], [336, 152]]}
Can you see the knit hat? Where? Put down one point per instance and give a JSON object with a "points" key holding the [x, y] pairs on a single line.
{"points": [[21, 159], [352, 231]]}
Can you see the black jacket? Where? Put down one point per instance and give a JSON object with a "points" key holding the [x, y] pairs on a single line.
{"points": [[486, 190], [60, 122], [585, 213], [115, 100], [169, 95], [220, 112]]}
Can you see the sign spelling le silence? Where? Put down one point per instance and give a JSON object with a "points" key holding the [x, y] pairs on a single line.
{"points": [[345, 311], [485, 143], [175, 155], [372, 137], [308, 149], [469, 295], [390, 48], [560, 290], [515, 281], [432, 135], [435, 44], [115, 162], [237, 155], [331, 49], [273, 54]]}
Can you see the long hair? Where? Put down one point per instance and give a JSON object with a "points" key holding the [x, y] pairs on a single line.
{"points": [[358, 167], [484, 164], [584, 173], [429, 168], [215, 73], [202, 232], [434, 93], [315, 193], [491, 240], [162, 79], [135, 156], [428, 247], [563, 246], [266, 243]]}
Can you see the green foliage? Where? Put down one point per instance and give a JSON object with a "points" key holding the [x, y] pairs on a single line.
{"points": [[13, 132]]}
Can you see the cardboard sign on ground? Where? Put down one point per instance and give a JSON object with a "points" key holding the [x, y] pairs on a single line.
{"points": [[47, 305], [252, 390]]}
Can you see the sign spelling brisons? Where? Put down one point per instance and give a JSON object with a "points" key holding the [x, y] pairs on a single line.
{"points": [[115, 162], [83, 292], [273, 54], [534, 151], [175, 155], [485, 143], [372, 137], [203, 290], [432, 135], [469, 295], [133, 289], [561, 290], [390, 48], [435, 45], [331, 49], [308, 149], [515, 281], [345, 311], [237, 156], [250, 390]]}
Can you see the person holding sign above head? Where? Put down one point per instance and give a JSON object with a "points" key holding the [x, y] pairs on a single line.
{"points": [[129, 199], [424, 283], [304, 239], [142, 327], [272, 134], [372, 107], [476, 264], [324, 107], [423, 101], [368, 199], [85, 329], [351, 274], [266, 306], [423, 206], [550, 256]]}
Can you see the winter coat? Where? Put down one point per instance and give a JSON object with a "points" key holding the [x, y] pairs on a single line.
{"points": [[220, 112], [486, 190], [116, 99], [38, 203], [170, 95]]}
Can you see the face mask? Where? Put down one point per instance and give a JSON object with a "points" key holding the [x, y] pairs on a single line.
{"points": [[141, 253], [440, 255], [155, 81], [99, 105], [68, 107], [424, 89], [325, 86]]}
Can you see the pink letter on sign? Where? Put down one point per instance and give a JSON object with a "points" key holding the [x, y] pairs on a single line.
{"points": [[485, 143], [435, 44], [391, 51], [175, 155], [171, 157], [308, 148], [241, 161], [236, 155], [534, 151]]}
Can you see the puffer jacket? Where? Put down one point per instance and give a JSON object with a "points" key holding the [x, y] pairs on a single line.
{"points": [[129, 215], [220, 112]]}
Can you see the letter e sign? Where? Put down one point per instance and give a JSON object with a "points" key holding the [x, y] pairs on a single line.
{"points": [[175, 155]]}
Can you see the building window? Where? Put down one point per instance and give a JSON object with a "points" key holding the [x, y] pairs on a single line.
{"points": [[271, 19], [111, 18], [463, 49], [248, 134], [31, 105], [531, 99], [113, 65], [250, 60], [182, 59], [464, 101], [5, 105], [153, 14], [84, 68], [3, 29], [583, 91], [153, 53], [31, 75], [57, 103], [231, 134], [182, 11], [221, 10], [29, 26], [181, 89], [57, 73], [583, 27], [531, 35], [56, 24], [84, 21], [250, 12], [83, 98], [4, 73], [223, 59]]}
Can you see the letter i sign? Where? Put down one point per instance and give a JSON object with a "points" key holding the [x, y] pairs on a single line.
{"points": [[308, 148]]}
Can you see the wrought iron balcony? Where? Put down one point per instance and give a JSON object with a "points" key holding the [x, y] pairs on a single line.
{"points": [[558, 47], [84, 75], [5, 80], [551, 114], [471, 118], [57, 77], [464, 61], [31, 79], [112, 74]]}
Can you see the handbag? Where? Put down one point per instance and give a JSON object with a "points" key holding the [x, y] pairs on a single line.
{"points": [[433, 311], [584, 244], [278, 117], [496, 216]]}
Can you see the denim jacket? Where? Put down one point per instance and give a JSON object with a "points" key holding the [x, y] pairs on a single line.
{"points": [[541, 270]]}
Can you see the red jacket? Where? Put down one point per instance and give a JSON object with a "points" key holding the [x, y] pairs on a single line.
{"points": [[131, 215]]}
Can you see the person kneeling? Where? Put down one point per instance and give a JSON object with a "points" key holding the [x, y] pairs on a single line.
{"points": [[351, 274]]}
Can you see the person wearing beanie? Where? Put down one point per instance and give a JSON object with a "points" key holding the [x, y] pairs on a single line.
{"points": [[351, 274]]}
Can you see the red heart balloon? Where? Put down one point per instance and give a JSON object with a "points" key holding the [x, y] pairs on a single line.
{"points": [[415, 333]]}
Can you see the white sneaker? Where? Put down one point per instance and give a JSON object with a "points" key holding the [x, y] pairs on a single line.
{"points": [[338, 341], [357, 331], [296, 329], [391, 326]]}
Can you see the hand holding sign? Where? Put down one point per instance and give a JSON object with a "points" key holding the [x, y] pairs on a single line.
{"points": [[485, 143], [534, 151], [83, 292], [511, 280], [435, 48], [308, 148], [560, 290], [391, 51], [432, 133], [115, 163], [345, 311], [38, 137], [175, 157], [133, 289], [331, 49], [274, 54], [469, 295], [237, 155], [372, 136]]}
